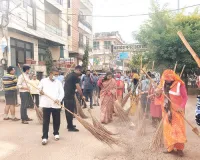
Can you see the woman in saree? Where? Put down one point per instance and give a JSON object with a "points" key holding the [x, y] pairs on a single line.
{"points": [[107, 97], [173, 111]]}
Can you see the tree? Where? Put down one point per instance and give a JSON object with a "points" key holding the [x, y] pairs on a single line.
{"points": [[159, 34], [48, 61], [86, 58]]}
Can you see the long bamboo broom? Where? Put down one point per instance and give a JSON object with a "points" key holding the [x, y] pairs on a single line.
{"points": [[120, 112], [39, 113], [98, 125], [194, 129], [79, 109], [97, 133], [125, 99]]}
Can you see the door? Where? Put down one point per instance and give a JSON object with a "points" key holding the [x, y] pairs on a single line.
{"points": [[20, 59]]}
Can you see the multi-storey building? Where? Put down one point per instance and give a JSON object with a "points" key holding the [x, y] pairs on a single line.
{"points": [[102, 56], [34, 28], [79, 28]]}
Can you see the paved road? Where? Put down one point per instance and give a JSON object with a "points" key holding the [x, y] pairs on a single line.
{"points": [[23, 142]]}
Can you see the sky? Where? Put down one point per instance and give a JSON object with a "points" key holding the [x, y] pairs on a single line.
{"points": [[127, 25]]}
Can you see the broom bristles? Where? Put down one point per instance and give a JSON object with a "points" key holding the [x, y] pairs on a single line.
{"points": [[157, 141], [125, 99], [98, 125], [39, 114], [120, 112], [79, 109], [99, 134]]}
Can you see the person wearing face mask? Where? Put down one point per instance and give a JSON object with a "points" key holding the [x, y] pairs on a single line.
{"points": [[54, 89], [24, 90], [173, 111], [72, 83]]}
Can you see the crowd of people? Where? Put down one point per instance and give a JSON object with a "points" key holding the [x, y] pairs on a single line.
{"points": [[164, 98]]}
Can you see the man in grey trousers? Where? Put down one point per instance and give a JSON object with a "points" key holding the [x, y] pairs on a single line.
{"points": [[24, 94]]}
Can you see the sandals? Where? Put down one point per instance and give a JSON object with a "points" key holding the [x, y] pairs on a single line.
{"points": [[6, 119], [15, 119]]}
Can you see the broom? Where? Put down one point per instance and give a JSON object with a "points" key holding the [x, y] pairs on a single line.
{"points": [[120, 112], [79, 109], [97, 133], [194, 129], [125, 99], [157, 141], [98, 125], [39, 114]]}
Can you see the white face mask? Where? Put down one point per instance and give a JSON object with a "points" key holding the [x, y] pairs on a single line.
{"points": [[55, 77]]}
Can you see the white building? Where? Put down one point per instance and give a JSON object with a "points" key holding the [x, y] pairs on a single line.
{"points": [[103, 57], [34, 27]]}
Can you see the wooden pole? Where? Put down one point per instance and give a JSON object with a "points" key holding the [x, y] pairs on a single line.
{"points": [[153, 66], [175, 66], [182, 71], [187, 45]]}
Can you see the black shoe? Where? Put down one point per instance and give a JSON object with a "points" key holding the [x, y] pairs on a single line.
{"points": [[74, 126], [91, 107], [94, 105], [73, 130]]}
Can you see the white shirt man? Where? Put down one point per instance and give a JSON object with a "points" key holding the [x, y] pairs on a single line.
{"points": [[53, 88]]}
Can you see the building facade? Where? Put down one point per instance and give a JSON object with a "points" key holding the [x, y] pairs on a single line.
{"points": [[79, 28], [103, 57], [35, 28]]}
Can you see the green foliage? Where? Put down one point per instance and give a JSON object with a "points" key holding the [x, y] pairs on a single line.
{"points": [[159, 33], [86, 58], [48, 61]]}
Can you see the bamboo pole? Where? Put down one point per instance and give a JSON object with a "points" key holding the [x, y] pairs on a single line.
{"points": [[153, 66], [182, 71], [187, 45], [175, 66]]}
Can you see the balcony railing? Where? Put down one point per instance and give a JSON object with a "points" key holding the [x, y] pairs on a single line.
{"points": [[84, 22], [53, 29]]}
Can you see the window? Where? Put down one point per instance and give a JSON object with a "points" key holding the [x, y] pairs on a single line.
{"points": [[20, 51], [41, 54], [69, 30], [107, 44], [87, 41], [31, 13], [81, 45], [69, 3], [95, 45]]}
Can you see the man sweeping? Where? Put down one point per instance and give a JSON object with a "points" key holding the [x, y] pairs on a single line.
{"points": [[71, 84], [54, 89], [173, 111]]}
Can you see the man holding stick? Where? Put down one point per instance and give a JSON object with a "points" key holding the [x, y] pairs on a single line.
{"points": [[54, 89], [24, 91], [71, 84]]}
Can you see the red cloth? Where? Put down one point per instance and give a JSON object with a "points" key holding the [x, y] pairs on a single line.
{"points": [[120, 87], [155, 110]]}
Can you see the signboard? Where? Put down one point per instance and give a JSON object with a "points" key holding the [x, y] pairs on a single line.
{"points": [[123, 55], [129, 47]]}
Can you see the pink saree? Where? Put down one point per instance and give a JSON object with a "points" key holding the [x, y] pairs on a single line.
{"points": [[107, 99]]}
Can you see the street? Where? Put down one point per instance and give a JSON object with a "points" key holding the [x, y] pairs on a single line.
{"points": [[23, 142]]}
